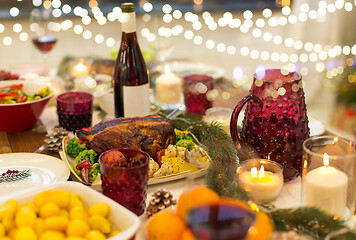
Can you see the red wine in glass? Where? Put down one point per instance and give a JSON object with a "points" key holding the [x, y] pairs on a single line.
{"points": [[44, 43], [220, 221]]}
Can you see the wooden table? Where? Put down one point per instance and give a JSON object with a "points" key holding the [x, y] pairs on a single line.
{"points": [[25, 141]]}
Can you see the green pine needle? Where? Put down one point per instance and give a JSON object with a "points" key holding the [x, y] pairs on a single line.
{"points": [[11, 177], [220, 177]]}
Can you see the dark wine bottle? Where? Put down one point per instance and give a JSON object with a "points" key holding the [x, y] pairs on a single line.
{"points": [[131, 82]]}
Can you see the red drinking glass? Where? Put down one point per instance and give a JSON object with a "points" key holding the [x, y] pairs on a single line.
{"points": [[275, 122], [75, 110], [126, 185], [195, 88], [223, 221]]}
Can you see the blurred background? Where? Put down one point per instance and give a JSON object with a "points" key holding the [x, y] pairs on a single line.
{"points": [[230, 39]]}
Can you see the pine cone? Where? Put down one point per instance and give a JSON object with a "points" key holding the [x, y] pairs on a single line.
{"points": [[54, 138], [160, 200]]}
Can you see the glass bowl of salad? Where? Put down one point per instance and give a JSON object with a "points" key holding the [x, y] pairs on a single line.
{"points": [[21, 104]]}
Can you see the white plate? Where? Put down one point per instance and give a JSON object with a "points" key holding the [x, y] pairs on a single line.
{"points": [[316, 127], [184, 68], [45, 169], [120, 217]]}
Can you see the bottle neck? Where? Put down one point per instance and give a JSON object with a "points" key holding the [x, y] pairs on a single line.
{"points": [[128, 22]]}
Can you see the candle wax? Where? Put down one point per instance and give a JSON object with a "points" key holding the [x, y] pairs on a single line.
{"points": [[326, 188], [168, 89], [261, 189]]}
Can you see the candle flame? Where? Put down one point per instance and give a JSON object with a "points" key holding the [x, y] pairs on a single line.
{"points": [[326, 159], [167, 69], [336, 139], [221, 120], [262, 172], [254, 171], [80, 67]]}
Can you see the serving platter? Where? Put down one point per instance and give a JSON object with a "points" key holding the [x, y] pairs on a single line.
{"points": [[44, 169], [97, 183]]}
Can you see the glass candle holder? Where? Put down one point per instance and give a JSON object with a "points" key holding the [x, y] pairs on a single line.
{"points": [[261, 178], [328, 175], [219, 115], [124, 182], [75, 110], [168, 91], [195, 89]]}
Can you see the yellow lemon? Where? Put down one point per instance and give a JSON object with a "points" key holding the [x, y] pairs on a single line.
{"points": [[95, 235], [53, 235], [101, 209], [75, 238], [77, 228], [100, 223], [25, 233], [8, 208], [49, 210]]}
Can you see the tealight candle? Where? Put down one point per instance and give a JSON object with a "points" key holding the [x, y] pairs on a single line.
{"points": [[263, 179], [219, 115], [326, 188]]}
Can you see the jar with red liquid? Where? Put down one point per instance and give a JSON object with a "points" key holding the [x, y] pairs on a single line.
{"points": [[275, 124], [124, 177], [75, 110], [195, 89]]}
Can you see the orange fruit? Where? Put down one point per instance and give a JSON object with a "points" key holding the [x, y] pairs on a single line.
{"points": [[165, 226], [188, 235], [194, 197], [262, 229]]}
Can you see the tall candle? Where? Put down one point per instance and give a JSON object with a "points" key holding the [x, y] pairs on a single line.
{"points": [[169, 89], [326, 188]]}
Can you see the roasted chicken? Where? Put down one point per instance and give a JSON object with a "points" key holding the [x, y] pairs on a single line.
{"points": [[150, 134]]}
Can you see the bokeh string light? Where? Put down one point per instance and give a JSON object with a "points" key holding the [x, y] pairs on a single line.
{"points": [[313, 52]]}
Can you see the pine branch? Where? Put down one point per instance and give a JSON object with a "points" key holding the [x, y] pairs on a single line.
{"points": [[309, 221], [15, 176], [220, 177]]}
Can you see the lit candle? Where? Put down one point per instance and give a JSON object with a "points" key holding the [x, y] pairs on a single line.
{"points": [[168, 88], [221, 116], [263, 186], [79, 69], [326, 188]]}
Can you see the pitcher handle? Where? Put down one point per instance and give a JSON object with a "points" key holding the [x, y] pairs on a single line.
{"points": [[235, 114]]}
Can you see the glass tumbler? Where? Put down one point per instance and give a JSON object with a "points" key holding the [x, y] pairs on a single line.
{"points": [[195, 88], [328, 180], [126, 185], [75, 110]]}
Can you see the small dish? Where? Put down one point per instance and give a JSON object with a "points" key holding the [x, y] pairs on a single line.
{"points": [[44, 170]]}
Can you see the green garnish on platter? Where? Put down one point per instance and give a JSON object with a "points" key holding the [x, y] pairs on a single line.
{"points": [[14, 175]]}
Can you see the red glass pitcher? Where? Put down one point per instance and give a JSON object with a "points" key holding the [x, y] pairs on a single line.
{"points": [[275, 122]]}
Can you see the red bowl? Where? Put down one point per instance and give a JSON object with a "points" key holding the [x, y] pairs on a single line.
{"points": [[22, 116]]}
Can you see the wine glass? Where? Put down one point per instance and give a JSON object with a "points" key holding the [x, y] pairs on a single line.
{"points": [[43, 39]]}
